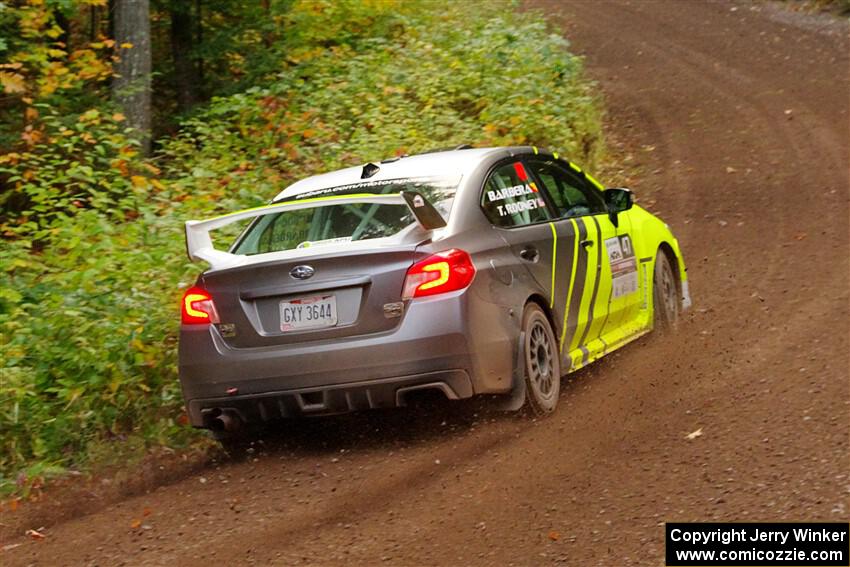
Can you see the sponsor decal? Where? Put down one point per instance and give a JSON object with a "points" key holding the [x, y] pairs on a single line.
{"points": [[358, 187], [509, 192], [519, 206], [325, 242], [624, 274]]}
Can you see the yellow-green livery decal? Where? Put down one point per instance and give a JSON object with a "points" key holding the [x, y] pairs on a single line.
{"points": [[594, 181], [554, 263], [579, 269], [598, 272], [580, 261]]}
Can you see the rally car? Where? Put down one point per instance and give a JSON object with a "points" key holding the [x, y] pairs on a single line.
{"points": [[466, 272]]}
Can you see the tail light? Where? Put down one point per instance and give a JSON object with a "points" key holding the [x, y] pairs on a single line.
{"points": [[198, 307], [446, 271]]}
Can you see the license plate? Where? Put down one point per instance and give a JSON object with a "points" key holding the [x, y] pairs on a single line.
{"points": [[308, 313]]}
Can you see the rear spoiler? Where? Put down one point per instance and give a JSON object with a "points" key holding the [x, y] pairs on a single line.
{"points": [[199, 245]]}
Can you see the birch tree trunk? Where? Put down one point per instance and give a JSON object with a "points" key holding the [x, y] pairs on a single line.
{"points": [[132, 86]]}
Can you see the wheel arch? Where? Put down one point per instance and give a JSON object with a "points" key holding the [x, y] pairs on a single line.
{"points": [[665, 248], [544, 305]]}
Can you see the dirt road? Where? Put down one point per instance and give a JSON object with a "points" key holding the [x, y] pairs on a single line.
{"points": [[737, 117]]}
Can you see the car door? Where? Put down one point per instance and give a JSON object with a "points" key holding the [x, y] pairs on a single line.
{"points": [[586, 301], [520, 214]]}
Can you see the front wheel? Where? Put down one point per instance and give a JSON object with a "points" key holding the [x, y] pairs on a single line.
{"points": [[665, 294], [542, 361]]}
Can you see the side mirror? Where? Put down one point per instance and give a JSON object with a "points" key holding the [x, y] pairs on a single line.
{"points": [[617, 200]]}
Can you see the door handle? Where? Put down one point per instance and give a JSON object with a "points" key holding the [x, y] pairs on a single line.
{"points": [[586, 243], [529, 253]]}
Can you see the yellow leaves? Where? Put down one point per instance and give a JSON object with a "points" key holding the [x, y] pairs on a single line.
{"points": [[13, 83], [54, 32], [152, 168], [118, 117], [92, 115], [95, 2], [126, 45], [31, 136], [121, 165], [138, 181], [30, 114], [10, 158], [48, 85], [103, 43], [392, 89]]}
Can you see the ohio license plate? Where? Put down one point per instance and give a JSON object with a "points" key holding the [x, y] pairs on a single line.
{"points": [[308, 313]]}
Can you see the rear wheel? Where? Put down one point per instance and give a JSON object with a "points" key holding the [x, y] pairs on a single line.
{"points": [[542, 361], [665, 294]]}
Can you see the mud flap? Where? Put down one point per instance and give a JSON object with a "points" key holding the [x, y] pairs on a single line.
{"points": [[516, 399]]}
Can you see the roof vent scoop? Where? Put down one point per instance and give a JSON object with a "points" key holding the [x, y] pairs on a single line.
{"points": [[369, 170]]}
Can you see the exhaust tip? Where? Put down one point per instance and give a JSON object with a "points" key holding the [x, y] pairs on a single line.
{"points": [[218, 419]]}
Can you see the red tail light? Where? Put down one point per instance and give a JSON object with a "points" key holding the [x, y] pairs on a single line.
{"points": [[446, 271], [198, 307]]}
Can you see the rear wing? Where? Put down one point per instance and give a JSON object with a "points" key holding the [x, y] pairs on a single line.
{"points": [[199, 245]]}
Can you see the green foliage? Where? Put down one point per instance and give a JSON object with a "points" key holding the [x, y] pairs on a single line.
{"points": [[437, 80], [93, 258], [70, 163]]}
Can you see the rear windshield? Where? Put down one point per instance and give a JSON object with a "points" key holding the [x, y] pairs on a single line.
{"points": [[335, 224]]}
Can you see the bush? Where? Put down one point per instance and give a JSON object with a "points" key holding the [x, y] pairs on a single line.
{"points": [[91, 274]]}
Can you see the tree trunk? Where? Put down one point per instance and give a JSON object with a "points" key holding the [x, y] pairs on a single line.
{"points": [[199, 38], [187, 78], [132, 85]]}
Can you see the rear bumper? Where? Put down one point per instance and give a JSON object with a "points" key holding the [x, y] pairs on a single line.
{"points": [[429, 348], [328, 400]]}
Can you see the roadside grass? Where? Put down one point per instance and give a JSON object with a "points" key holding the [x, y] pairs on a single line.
{"points": [[91, 273]]}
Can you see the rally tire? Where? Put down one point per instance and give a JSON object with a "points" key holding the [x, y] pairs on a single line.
{"points": [[665, 294], [541, 360]]}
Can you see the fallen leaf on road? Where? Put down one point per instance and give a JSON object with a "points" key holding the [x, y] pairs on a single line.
{"points": [[730, 169], [35, 534], [136, 524], [554, 536], [147, 512], [694, 434]]}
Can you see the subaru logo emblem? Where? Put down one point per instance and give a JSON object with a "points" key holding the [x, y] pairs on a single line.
{"points": [[302, 272]]}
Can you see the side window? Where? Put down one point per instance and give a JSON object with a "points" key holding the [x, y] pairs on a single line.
{"points": [[571, 195], [510, 197]]}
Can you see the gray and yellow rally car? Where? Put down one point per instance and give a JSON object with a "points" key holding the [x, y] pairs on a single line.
{"points": [[470, 271]]}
